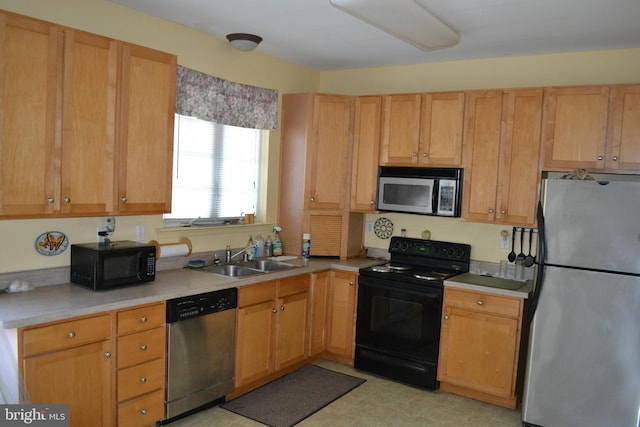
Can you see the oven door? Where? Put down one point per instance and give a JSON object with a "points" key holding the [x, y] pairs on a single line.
{"points": [[398, 330], [400, 318]]}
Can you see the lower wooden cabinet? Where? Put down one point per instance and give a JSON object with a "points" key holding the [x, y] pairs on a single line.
{"points": [[341, 319], [480, 346], [272, 331], [109, 368], [71, 362], [318, 313]]}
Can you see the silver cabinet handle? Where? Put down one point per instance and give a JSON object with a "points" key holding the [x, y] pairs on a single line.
{"points": [[123, 199], [50, 200], [282, 308], [480, 302], [615, 158], [107, 354], [491, 211], [425, 154], [143, 347], [143, 411], [372, 202], [351, 283], [143, 379], [71, 334], [414, 154], [67, 199], [599, 157], [313, 199], [274, 311], [503, 211], [144, 319], [446, 317]]}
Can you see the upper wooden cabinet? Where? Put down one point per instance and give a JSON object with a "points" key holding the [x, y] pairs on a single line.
{"points": [[623, 141], [70, 101], [147, 108], [501, 156], [575, 127], [424, 129], [366, 143], [315, 156]]}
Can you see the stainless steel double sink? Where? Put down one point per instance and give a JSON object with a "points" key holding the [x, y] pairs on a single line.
{"points": [[249, 268]]}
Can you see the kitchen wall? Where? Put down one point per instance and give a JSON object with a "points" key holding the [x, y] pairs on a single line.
{"points": [[214, 56]]}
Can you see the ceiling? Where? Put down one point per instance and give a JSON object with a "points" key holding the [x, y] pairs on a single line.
{"points": [[315, 34]]}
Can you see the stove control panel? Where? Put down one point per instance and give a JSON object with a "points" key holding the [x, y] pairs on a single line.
{"points": [[430, 249]]}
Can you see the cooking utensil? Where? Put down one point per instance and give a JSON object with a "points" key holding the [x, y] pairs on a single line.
{"points": [[521, 254], [512, 254], [529, 260]]}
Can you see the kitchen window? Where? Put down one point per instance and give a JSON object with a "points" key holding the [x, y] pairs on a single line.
{"points": [[216, 170]]}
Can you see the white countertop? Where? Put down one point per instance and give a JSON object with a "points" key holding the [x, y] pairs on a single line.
{"points": [[63, 301], [491, 284]]}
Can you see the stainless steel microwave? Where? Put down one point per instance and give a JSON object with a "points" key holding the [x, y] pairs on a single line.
{"points": [[101, 266], [419, 190]]}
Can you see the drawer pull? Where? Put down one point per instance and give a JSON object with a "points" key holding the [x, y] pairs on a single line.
{"points": [[143, 347], [480, 302], [107, 354], [143, 379], [143, 411], [144, 319], [446, 317], [351, 283], [282, 308], [71, 334], [274, 311]]}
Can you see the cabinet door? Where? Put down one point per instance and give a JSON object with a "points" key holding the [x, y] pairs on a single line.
{"points": [[318, 313], [623, 150], [255, 336], [519, 155], [441, 129], [366, 144], [88, 126], [80, 377], [400, 129], [291, 336], [483, 113], [329, 151], [30, 64], [478, 351], [575, 127], [342, 306], [147, 111]]}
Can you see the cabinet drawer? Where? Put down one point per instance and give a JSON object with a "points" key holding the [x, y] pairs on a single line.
{"points": [[140, 347], [294, 285], [141, 318], [143, 411], [65, 335], [483, 302], [140, 379], [255, 294]]}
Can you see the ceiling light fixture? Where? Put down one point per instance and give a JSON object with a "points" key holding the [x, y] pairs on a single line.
{"points": [[404, 19], [243, 41]]}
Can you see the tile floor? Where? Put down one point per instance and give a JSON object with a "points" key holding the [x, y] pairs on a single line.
{"points": [[380, 402]]}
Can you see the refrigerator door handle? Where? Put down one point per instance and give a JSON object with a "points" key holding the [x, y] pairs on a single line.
{"points": [[542, 257]]}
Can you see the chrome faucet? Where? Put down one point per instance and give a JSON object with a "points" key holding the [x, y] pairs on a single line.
{"points": [[229, 257]]}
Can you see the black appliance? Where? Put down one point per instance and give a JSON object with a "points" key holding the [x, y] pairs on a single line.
{"points": [[400, 309], [106, 265]]}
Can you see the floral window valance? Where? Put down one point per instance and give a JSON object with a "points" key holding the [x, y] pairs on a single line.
{"points": [[220, 101]]}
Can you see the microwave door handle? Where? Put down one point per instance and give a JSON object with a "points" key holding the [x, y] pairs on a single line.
{"points": [[435, 196]]}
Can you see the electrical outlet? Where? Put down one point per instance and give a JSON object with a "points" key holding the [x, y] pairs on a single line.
{"points": [[504, 241], [369, 227], [140, 233]]}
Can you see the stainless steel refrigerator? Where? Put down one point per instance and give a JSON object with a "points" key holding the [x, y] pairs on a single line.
{"points": [[583, 366]]}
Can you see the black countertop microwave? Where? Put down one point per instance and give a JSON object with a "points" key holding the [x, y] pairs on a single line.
{"points": [[420, 190], [101, 266]]}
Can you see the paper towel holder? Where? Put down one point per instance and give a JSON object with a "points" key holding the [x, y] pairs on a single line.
{"points": [[173, 249]]}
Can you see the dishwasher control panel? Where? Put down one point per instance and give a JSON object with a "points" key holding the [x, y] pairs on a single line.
{"points": [[201, 304]]}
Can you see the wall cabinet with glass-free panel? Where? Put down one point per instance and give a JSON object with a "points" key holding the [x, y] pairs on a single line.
{"points": [[366, 143]]}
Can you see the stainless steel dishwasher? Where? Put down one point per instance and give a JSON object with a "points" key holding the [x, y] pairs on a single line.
{"points": [[201, 351]]}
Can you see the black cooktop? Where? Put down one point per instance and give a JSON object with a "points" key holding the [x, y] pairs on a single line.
{"points": [[421, 261]]}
